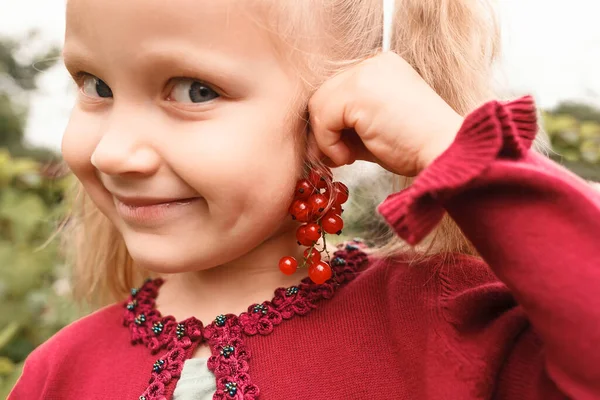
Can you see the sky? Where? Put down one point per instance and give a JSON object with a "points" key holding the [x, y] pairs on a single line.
{"points": [[551, 50]]}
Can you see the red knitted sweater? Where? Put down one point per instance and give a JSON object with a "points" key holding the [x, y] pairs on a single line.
{"points": [[523, 325]]}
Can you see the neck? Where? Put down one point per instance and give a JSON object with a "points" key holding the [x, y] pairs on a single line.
{"points": [[230, 288]]}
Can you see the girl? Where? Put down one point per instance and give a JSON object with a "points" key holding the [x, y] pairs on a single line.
{"points": [[190, 141]]}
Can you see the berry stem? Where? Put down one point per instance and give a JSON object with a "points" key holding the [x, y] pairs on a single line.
{"points": [[325, 246], [329, 257], [304, 258]]}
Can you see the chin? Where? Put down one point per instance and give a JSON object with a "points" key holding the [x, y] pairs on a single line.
{"points": [[167, 255], [163, 262]]}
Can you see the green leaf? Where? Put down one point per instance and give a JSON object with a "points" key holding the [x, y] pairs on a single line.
{"points": [[557, 124], [7, 366], [590, 151], [590, 130], [7, 383], [571, 155], [24, 212], [8, 333]]}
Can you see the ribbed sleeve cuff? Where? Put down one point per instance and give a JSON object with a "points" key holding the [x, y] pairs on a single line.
{"points": [[496, 130]]}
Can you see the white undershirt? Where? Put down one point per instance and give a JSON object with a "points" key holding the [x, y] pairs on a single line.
{"points": [[197, 382]]}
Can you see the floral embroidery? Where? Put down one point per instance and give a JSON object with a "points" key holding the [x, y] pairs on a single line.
{"points": [[225, 335]]}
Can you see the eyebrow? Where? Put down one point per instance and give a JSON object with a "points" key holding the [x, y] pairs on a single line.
{"points": [[76, 58]]}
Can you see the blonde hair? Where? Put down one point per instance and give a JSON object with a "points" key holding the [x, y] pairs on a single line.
{"points": [[452, 44]]}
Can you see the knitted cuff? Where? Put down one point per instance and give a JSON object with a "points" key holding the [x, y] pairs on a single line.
{"points": [[496, 130]]}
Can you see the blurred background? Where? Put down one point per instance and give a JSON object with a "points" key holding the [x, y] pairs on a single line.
{"points": [[551, 50]]}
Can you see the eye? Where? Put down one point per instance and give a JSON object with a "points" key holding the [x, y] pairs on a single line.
{"points": [[191, 91], [95, 87]]}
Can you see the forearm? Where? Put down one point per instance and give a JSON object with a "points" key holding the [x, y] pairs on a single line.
{"points": [[534, 223]]}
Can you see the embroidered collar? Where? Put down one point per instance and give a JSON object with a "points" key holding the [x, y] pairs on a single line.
{"points": [[225, 335]]}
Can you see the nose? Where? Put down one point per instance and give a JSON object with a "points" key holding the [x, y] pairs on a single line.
{"points": [[125, 149]]}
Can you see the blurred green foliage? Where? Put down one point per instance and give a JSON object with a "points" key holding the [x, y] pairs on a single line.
{"points": [[574, 131], [33, 281]]}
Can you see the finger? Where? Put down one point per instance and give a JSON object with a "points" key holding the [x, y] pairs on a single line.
{"points": [[313, 150], [327, 120], [327, 161], [316, 152], [356, 145], [331, 144]]}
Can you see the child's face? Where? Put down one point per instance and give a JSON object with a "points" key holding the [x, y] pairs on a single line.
{"points": [[192, 101]]}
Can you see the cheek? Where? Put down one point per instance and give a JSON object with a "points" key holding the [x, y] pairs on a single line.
{"points": [[78, 144], [80, 138], [246, 167]]}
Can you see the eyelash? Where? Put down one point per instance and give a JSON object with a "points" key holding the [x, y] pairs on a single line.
{"points": [[79, 76]]}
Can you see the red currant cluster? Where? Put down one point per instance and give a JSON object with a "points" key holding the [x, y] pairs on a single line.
{"points": [[318, 205]]}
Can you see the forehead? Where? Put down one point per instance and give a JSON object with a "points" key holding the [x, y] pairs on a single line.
{"points": [[228, 25]]}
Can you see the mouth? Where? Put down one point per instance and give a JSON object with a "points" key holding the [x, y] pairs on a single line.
{"points": [[148, 211], [148, 201]]}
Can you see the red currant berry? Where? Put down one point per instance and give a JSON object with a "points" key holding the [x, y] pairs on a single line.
{"points": [[301, 236], [319, 178], [332, 223], [288, 265], [303, 189], [313, 232], [314, 177], [301, 210], [336, 209], [312, 256], [319, 272], [340, 193], [317, 203]]}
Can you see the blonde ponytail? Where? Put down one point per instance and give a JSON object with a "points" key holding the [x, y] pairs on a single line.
{"points": [[453, 45]]}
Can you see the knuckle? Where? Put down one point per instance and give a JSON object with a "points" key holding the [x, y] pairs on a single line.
{"points": [[314, 121], [363, 82], [389, 56], [313, 118], [311, 102], [314, 102]]}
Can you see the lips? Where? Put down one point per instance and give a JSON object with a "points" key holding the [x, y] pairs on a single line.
{"points": [[153, 211], [152, 201]]}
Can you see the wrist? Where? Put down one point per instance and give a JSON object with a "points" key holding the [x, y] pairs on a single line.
{"points": [[443, 140]]}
